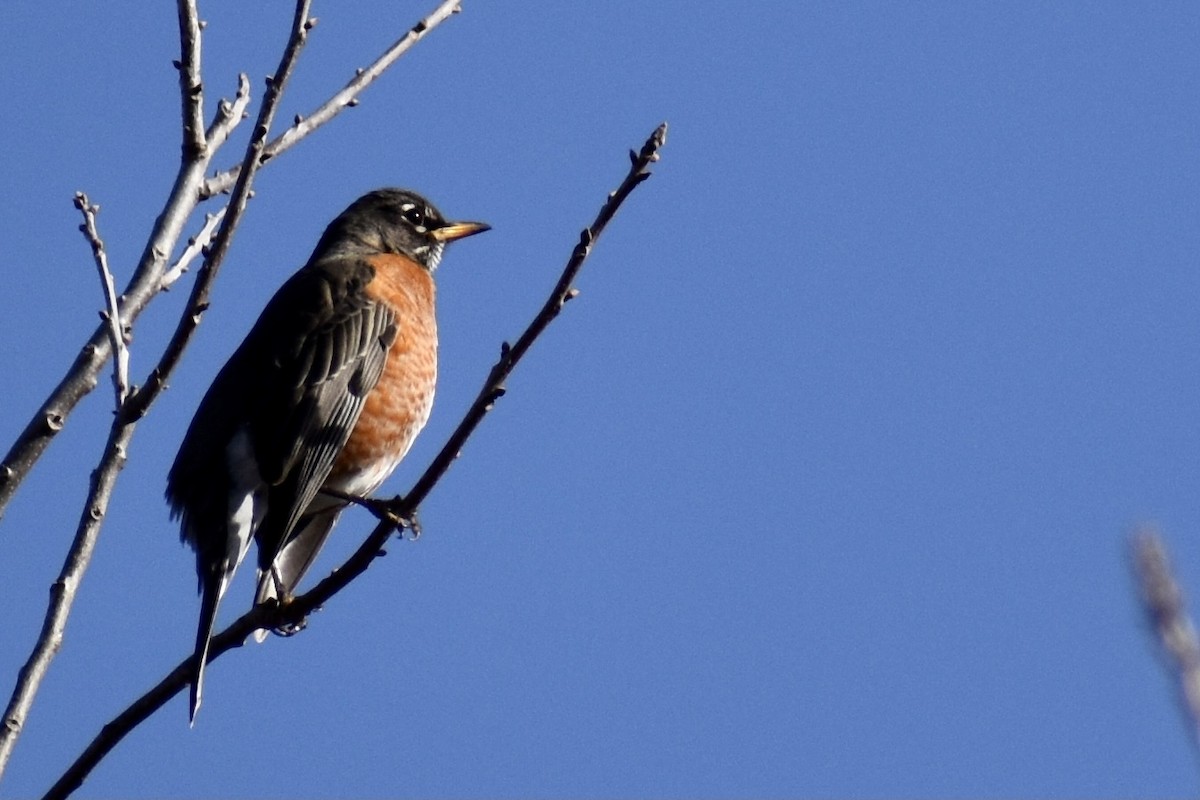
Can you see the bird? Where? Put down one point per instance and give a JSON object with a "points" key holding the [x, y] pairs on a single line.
{"points": [[318, 404]]}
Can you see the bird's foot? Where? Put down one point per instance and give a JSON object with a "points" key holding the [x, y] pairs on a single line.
{"points": [[405, 520], [392, 511], [282, 600], [290, 629]]}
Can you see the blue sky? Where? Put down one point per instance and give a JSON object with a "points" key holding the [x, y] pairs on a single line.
{"points": [[822, 486]]}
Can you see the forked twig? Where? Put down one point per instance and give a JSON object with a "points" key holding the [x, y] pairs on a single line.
{"points": [[399, 512], [196, 246]]}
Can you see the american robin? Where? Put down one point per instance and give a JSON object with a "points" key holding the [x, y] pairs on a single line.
{"points": [[327, 392]]}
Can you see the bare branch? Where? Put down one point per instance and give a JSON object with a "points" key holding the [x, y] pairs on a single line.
{"points": [[191, 90], [196, 245], [396, 514], [345, 98], [81, 378], [229, 115], [1166, 609], [62, 591], [117, 336], [111, 734], [198, 301], [493, 388], [125, 422]]}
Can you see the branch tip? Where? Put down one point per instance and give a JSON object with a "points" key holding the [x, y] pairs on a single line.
{"points": [[346, 97]]}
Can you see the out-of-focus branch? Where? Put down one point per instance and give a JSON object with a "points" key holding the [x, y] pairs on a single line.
{"points": [[112, 312], [343, 99], [1166, 609], [394, 515]]}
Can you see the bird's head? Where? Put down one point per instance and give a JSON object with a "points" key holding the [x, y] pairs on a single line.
{"points": [[394, 221]]}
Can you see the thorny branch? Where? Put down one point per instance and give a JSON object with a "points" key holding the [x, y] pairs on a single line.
{"points": [[398, 513], [1166, 610], [117, 334], [146, 281]]}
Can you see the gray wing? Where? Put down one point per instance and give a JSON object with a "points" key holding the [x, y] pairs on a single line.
{"points": [[316, 392]]}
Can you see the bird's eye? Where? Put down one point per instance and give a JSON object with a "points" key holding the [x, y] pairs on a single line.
{"points": [[415, 215]]}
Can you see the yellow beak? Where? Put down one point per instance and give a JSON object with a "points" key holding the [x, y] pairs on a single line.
{"points": [[458, 230]]}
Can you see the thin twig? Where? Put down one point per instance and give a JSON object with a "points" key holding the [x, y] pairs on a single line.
{"points": [[493, 388], [229, 114], [112, 313], [347, 97], [1166, 609], [191, 90], [198, 300], [196, 246], [398, 513]]}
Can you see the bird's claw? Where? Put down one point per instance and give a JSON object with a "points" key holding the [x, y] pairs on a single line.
{"points": [[291, 628], [407, 520]]}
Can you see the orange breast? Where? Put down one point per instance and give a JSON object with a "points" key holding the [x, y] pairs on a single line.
{"points": [[398, 407]]}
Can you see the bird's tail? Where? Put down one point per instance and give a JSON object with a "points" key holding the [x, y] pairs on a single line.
{"points": [[214, 590]]}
